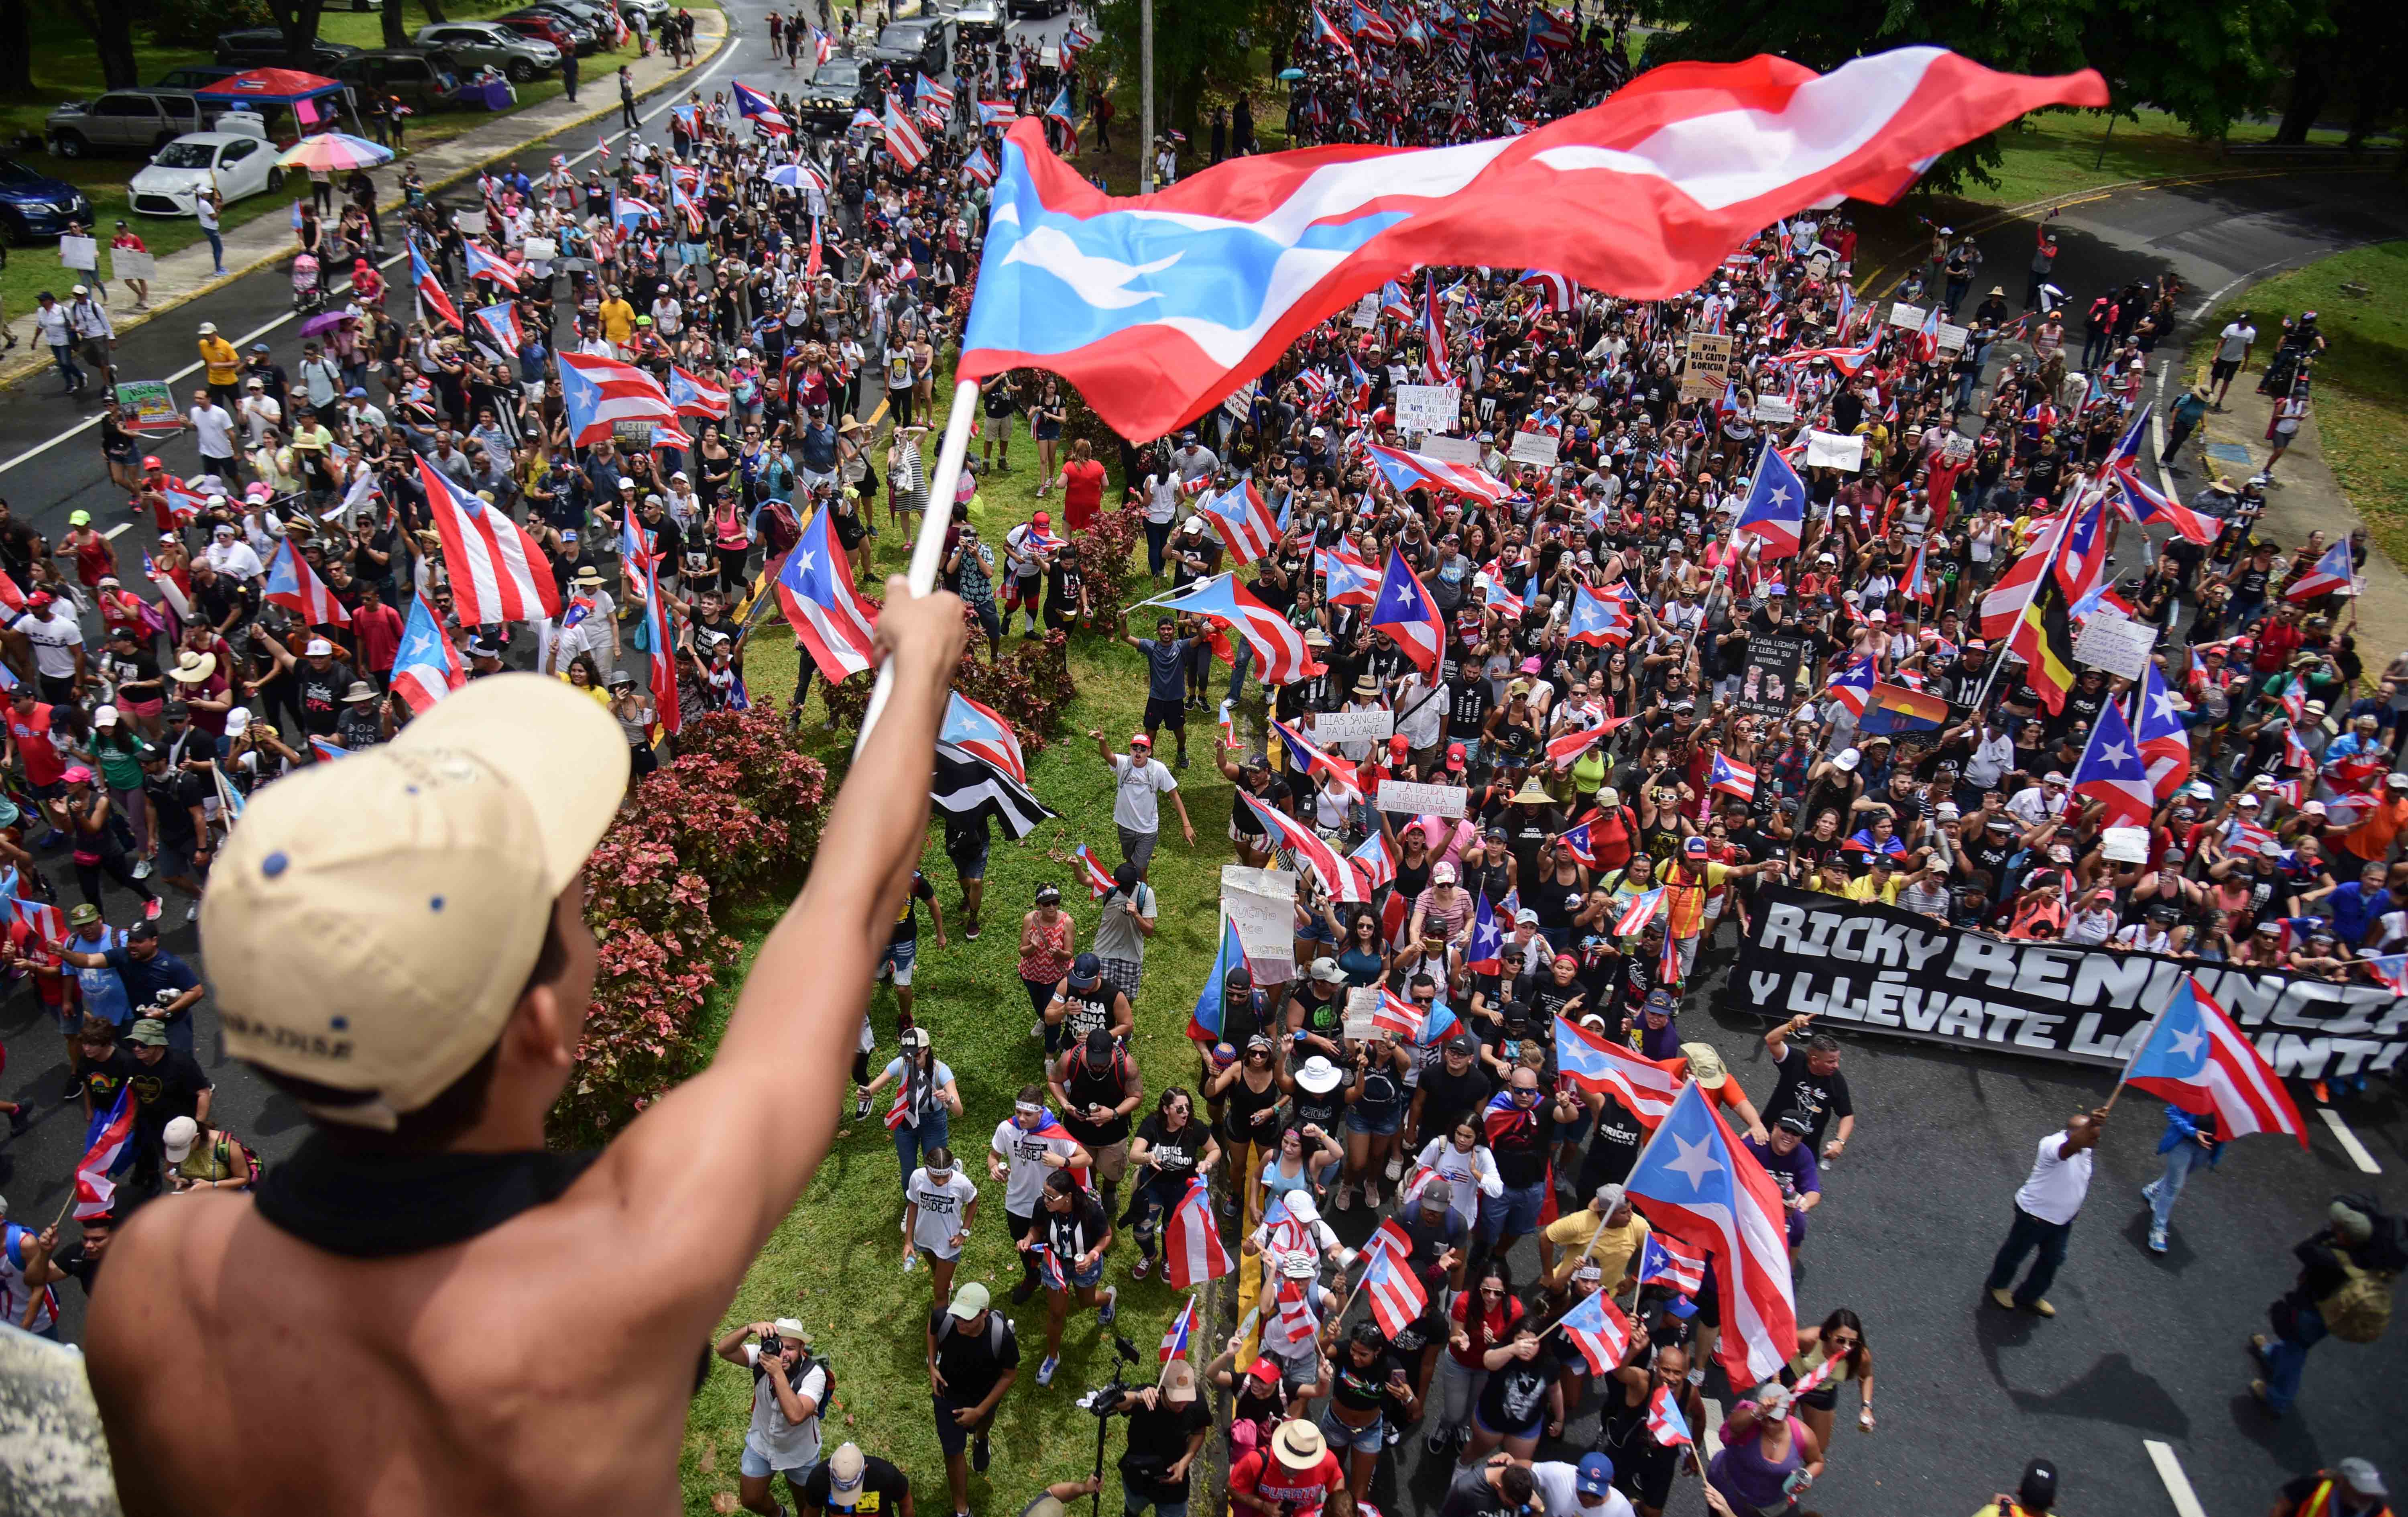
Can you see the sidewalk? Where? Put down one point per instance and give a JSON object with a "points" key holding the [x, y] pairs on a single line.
{"points": [[267, 240], [2303, 499]]}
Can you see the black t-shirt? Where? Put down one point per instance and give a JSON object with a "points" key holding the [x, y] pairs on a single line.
{"points": [[1466, 707], [1358, 1388], [907, 926], [1157, 1439], [1514, 1400], [169, 1089], [883, 1488], [1818, 1098], [971, 1362], [171, 797], [1522, 1153], [1107, 1086], [1447, 1098], [321, 694], [1073, 1231], [103, 1079], [1613, 1150], [1176, 1154]]}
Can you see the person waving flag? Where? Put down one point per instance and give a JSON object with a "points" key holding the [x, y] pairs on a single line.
{"points": [[1775, 512], [2110, 772], [1599, 1330], [1405, 612], [2197, 1059], [1665, 1260], [1602, 1066], [1692, 1179], [831, 616], [292, 583]]}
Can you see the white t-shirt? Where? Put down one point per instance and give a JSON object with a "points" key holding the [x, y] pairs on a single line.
{"points": [[941, 1210], [785, 1445], [1560, 1482], [2055, 1191], [1470, 1175], [2235, 342], [55, 639], [1024, 1152], [214, 430], [1134, 806]]}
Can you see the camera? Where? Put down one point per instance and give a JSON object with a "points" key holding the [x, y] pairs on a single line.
{"points": [[773, 1345]]}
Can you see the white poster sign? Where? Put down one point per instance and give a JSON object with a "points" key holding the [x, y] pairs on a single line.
{"points": [[1910, 317], [2116, 643], [126, 264], [1455, 450], [1422, 799], [1952, 338], [1362, 1001], [541, 250], [80, 252], [1261, 904], [1331, 726], [1540, 448], [1398, 374], [1241, 404], [1367, 312], [1428, 407], [1829, 449], [2125, 844], [471, 223], [1775, 408]]}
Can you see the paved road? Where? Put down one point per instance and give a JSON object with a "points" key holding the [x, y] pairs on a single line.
{"points": [[2145, 1348]]}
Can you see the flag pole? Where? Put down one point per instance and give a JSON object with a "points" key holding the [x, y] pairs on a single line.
{"points": [[929, 551], [2057, 549], [2147, 1032]]}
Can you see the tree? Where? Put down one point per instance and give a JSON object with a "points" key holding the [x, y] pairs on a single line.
{"points": [[111, 22], [2351, 59], [298, 21], [1198, 45], [16, 48], [2207, 68]]}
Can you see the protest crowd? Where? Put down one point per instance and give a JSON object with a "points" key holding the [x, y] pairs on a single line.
{"points": [[1549, 638]]}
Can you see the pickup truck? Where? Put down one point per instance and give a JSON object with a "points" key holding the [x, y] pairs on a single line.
{"points": [[126, 120]]}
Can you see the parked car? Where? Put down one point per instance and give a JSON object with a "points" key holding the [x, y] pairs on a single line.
{"points": [[483, 44], [977, 23], [239, 164], [193, 77], [420, 79], [587, 35], [34, 207], [262, 47], [654, 11], [587, 14], [543, 28], [1017, 9], [915, 44], [827, 101], [126, 120]]}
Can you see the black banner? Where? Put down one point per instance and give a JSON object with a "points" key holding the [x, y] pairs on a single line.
{"points": [[1895, 971], [1773, 674]]}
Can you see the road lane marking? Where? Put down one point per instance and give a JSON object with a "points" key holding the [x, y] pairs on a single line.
{"points": [[2349, 1144], [2170, 1470], [112, 532]]}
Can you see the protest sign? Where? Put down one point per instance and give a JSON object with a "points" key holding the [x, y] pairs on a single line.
{"points": [[1420, 799], [1537, 448], [1428, 407], [1707, 369], [1952, 338], [471, 223], [80, 254], [1455, 450], [1241, 403], [1362, 1003], [2117, 645], [1910, 317], [1261, 903], [124, 263], [541, 250], [1773, 674], [1895, 971], [1829, 449], [2125, 844], [1775, 408], [635, 434], [1352, 725], [151, 404], [1367, 312]]}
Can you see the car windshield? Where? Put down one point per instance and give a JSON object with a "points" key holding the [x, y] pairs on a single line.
{"points": [[838, 74], [901, 38], [186, 155], [16, 174]]}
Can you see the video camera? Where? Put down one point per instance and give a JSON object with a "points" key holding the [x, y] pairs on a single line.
{"points": [[1105, 1399]]}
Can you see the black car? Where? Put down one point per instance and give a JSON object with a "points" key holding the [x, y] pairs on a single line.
{"points": [[835, 91], [262, 47], [35, 207], [912, 44]]}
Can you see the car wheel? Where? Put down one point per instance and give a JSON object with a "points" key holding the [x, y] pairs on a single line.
{"points": [[520, 71], [275, 180], [69, 145]]}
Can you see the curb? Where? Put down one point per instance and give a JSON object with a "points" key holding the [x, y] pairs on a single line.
{"points": [[18, 371]]}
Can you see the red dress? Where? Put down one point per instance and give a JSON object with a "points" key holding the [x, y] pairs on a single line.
{"points": [[1082, 492]]}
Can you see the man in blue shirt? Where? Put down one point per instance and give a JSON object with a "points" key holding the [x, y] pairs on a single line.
{"points": [[2356, 905], [103, 992], [1166, 684], [156, 981]]}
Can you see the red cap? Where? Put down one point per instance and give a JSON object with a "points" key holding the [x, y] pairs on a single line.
{"points": [[152, 462], [1397, 742], [1454, 756], [1140, 738], [1265, 1370], [1042, 518], [38, 600]]}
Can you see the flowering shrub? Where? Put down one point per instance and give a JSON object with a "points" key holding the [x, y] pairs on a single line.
{"points": [[1105, 550], [1029, 686], [736, 812]]}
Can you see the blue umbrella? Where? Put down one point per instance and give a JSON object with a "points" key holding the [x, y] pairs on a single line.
{"points": [[1291, 73]]}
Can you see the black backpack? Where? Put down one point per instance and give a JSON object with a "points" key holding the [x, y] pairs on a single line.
{"points": [[803, 1368]]}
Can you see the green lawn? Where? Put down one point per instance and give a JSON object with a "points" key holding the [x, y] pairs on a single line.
{"points": [[2061, 152], [836, 1261], [66, 68], [2361, 380]]}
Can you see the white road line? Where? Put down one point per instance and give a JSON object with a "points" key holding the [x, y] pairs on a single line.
{"points": [[112, 532], [1713, 1422], [2349, 1144], [726, 55], [2170, 1470]]}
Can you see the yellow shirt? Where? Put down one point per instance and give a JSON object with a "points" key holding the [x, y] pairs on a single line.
{"points": [[1615, 1245], [618, 320], [226, 364], [601, 697], [1862, 890]]}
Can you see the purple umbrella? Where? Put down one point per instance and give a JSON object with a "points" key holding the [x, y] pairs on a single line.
{"points": [[326, 320]]}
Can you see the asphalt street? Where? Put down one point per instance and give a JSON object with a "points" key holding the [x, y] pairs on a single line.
{"points": [[2144, 1348]]}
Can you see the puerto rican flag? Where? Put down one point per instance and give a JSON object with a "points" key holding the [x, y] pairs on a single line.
{"points": [[1852, 686], [600, 392], [823, 46], [980, 731], [501, 323], [2164, 742], [1397, 1294], [1305, 758], [1310, 849], [904, 142], [327, 749], [1731, 777], [759, 109], [1665, 1260], [185, 505], [1555, 292], [426, 667], [1397, 1015], [430, 289], [2196, 1058], [1346, 578], [1192, 1250], [1420, 471], [1405, 612], [682, 200], [2145, 507], [992, 111], [1565, 749], [484, 264], [2335, 572], [627, 213], [1175, 1336], [1665, 1422], [498, 572], [1373, 861], [1692, 1179], [691, 395], [928, 92], [1638, 913], [96, 1189], [292, 583], [45, 921], [1280, 653], [1486, 953], [1646, 1088], [1775, 512], [1330, 36], [1550, 30], [1098, 879], [1597, 619], [980, 164], [1243, 521], [1599, 1330], [829, 613], [2110, 772], [1576, 842]]}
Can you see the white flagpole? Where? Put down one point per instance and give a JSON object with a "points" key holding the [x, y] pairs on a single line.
{"points": [[930, 550]]}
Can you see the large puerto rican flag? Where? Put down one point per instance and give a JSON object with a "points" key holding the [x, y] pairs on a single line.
{"points": [[2111, 772], [2335, 572], [484, 264], [1312, 850], [1694, 1179], [1654, 187], [693, 395], [1775, 512], [1597, 1064], [829, 613], [96, 1189], [1346, 578], [759, 109], [600, 392], [980, 731], [1243, 521], [292, 583], [498, 572], [1422, 471], [1281, 655], [426, 667], [2196, 1058], [1406, 612]]}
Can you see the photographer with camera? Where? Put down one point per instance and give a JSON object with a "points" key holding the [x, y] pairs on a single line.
{"points": [[788, 1390], [1168, 1427]]}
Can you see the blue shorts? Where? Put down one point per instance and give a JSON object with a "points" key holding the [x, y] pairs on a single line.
{"points": [[760, 1469], [1341, 1438], [1380, 1126], [1516, 1212], [1316, 931], [1082, 1279], [970, 866], [898, 960]]}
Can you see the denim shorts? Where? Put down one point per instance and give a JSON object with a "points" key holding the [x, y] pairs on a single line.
{"points": [[898, 961], [1082, 1279], [1341, 1438], [760, 1469], [1356, 1121]]}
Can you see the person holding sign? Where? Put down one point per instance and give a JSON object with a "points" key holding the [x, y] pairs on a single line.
{"points": [[125, 241]]}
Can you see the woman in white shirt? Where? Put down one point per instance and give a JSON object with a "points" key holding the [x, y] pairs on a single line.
{"points": [[1465, 1163], [939, 1203]]}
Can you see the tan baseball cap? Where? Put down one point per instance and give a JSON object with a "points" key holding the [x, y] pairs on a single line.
{"points": [[371, 923], [1705, 1065]]}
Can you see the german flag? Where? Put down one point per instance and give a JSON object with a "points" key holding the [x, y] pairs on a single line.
{"points": [[2043, 640]]}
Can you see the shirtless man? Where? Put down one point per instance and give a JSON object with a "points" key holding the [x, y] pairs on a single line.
{"points": [[435, 1314]]}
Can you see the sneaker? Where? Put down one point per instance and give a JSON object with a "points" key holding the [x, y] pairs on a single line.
{"points": [[860, 1108], [1228, 1207], [1371, 1194], [2156, 1240], [979, 1454], [970, 934], [1395, 1435], [1346, 1198], [1437, 1441], [18, 1121], [192, 912], [1396, 1166], [1045, 1370], [1036, 1029], [1112, 1306], [151, 908], [142, 868], [74, 1088], [1144, 1267], [2149, 1192]]}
